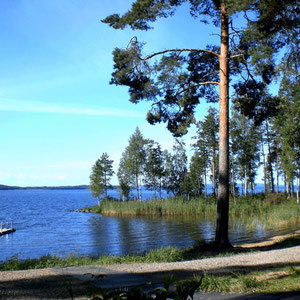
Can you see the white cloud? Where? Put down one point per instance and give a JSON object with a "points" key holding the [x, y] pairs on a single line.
{"points": [[42, 107]]}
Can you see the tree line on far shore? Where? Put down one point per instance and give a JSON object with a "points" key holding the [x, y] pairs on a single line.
{"points": [[272, 143]]}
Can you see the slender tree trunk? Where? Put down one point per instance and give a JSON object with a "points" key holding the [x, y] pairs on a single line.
{"points": [[264, 166], [137, 187], [234, 200], [284, 178], [269, 159], [233, 186], [160, 189], [214, 169], [140, 195], [298, 183], [246, 183], [277, 174], [105, 187], [221, 237], [288, 189], [205, 186], [292, 188]]}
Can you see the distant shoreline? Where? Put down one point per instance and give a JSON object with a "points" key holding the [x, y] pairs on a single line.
{"points": [[66, 187]]}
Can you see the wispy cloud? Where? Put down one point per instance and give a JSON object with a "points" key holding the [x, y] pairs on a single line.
{"points": [[43, 107]]}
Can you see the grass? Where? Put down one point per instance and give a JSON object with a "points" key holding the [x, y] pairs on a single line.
{"points": [[167, 254], [166, 207], [277, 280]]}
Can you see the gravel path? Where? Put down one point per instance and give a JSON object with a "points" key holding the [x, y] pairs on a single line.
{"points": [[65, 283], [240, 261]]}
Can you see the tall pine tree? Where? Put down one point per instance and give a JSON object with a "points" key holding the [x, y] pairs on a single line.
{"points": [[183, 76]]}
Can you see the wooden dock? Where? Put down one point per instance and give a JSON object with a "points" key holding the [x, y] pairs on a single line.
{"points": [[6, 230]]}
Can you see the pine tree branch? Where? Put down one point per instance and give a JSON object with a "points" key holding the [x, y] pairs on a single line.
{"points": [[181, 50], [196, 85]]}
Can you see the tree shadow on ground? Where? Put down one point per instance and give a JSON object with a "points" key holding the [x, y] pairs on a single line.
{"points": [[44, 287], [202, 249]]}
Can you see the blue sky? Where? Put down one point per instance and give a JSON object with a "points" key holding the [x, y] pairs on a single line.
{"points": [[58, 112]]}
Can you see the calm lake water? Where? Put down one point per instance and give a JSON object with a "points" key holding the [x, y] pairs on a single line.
{"points": [[47, 224]]}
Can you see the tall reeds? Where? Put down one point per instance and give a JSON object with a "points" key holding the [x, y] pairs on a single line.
{"points": [[272, 210]]}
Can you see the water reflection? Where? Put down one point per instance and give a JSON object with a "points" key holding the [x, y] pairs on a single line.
{"points": [[125, 235], [47, 224]]}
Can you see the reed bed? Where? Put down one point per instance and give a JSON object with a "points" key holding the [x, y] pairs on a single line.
{"points": [[175, 206], [271, 210]]}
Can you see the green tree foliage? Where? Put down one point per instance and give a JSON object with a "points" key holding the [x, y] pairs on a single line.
{"points": [[154, 168], [245, 139], [175, 168], [288, 125], [125, 176], [132, 164], [102, 172], [198, 168], [207, 142], [186, 186]]}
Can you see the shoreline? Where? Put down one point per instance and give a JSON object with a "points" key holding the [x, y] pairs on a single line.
{"points": [[270, 241]]}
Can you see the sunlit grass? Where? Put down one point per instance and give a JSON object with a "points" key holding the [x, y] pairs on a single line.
{"points": [[268, 281], [167, 254]]}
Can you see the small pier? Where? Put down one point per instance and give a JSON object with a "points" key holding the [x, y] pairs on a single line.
{"points": [[7, 229]]}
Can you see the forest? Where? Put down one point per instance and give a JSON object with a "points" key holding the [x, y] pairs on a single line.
{"points": [[272, 145]]}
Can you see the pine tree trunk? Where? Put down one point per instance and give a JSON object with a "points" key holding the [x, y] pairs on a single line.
{"points": [[221, 238]]}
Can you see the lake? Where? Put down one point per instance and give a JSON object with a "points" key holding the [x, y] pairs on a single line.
{"points": [[47, 224]]}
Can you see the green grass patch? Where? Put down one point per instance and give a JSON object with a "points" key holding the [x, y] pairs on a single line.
{"points": [[269, 281], [168, 254]]}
